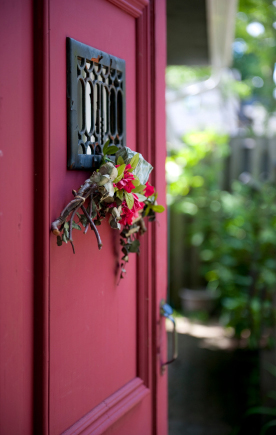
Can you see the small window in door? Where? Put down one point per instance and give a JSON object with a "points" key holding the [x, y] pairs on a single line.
{"points": [[95, 104]]}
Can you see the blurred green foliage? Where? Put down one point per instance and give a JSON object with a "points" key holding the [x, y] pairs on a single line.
{"points": [[254, 56], [234, 233], [176, 76]]}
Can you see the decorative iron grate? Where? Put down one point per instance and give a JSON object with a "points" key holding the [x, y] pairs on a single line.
{"points": [[95, 104]]}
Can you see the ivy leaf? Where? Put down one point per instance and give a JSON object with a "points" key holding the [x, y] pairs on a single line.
{"points": [[120, 194], [120, 161], [134, 247], [134, 162], [158, 208], [111, 150], [129, 200], [76, 226], [105, 147], [139, 188], [140, 197], [59, 241], [66, 225]]}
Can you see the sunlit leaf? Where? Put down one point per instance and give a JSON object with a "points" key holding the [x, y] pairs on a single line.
{"points": [[105, 147], [120, 160], [120, 194], [129, 200], [139, 188], [141, 198], [134, 161], [147, 210], [111, 150], [136, 182], [158, 208]]}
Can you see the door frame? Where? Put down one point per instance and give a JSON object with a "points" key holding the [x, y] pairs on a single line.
{"points": [[150, 67]]}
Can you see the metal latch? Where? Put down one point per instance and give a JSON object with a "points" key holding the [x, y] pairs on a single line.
{"points": [[166, 311]]}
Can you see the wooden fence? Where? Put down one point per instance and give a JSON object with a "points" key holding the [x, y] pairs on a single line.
{"points": [[255, 156]]}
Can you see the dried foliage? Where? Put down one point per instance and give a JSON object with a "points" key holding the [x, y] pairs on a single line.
{"points": [[114, 192]]}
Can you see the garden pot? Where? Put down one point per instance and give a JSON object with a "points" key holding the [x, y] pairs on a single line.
{"points": [[198, 300]]}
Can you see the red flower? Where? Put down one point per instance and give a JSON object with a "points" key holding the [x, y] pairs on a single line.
{"points": [[127, 215], [126, 181], [149, 190]]}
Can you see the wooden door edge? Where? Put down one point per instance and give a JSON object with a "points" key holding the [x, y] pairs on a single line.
{"points": [[41, 209]]}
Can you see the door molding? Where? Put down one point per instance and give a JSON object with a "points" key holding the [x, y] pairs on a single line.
{"points": [[41, 86], [131, 7], [110, 410]]}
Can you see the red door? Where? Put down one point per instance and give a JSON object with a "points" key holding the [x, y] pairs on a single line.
{"points": [[102, 342]]}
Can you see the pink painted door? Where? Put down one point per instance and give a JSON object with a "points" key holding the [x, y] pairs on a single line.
{"points": [[104, 341]]}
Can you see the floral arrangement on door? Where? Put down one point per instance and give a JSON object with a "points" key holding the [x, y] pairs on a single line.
{"points": [[118, 191]]}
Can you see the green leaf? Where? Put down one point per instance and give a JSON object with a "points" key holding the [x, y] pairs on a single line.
{"points": [[136, 182], [121, 169], [66, 225], [118, 178], [59, 241], [141, 198], [94, 210], [134, 162], [134, 247], [105, 147], [129, 200], [66, 232], [83, 219], [267, 426], [64, 238], [120, 194], [111, 150], [120, 160], [147, 210], [158, 208], [120, 173], [261, 410], [76, 226], [139, 188]]}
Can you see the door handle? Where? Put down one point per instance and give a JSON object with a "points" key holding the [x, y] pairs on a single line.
{"points": [[166, 311]]}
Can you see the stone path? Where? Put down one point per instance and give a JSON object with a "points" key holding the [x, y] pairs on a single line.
{"points": [[211, 387]]}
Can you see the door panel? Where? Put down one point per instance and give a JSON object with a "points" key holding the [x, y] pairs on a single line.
{"points": [[93, 324], [103, 337]]}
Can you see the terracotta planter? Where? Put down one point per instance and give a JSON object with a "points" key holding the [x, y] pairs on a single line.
{"points": [[198, 300]]}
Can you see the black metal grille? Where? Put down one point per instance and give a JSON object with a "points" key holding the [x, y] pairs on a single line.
{"points": [[95, 104]]}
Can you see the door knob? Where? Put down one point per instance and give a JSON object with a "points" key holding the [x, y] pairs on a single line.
{"points": [[166, 311]]}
